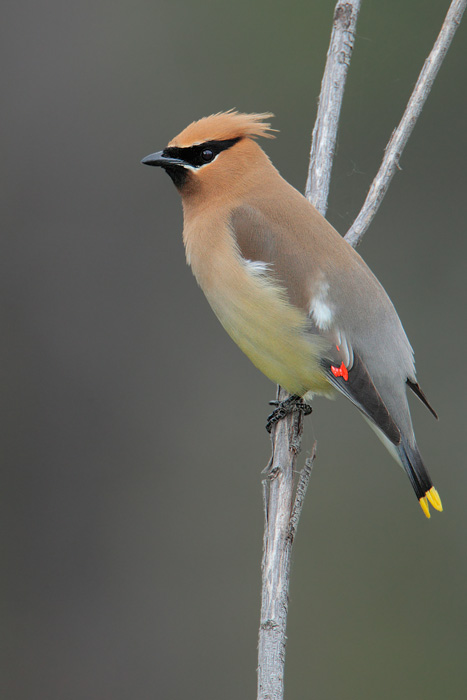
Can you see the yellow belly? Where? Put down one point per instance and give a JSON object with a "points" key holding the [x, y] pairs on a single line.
{"points": [[271, 332]]}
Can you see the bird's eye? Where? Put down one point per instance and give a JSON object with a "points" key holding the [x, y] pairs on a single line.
{"points": [[207, 154]]}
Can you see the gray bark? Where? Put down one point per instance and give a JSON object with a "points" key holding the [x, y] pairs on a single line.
{"points": [[400, 136]]}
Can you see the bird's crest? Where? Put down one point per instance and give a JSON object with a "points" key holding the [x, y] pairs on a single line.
{"points": [[223, 126]]}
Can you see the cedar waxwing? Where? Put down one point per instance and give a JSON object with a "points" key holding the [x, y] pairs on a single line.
{"points": [[290, 291]]}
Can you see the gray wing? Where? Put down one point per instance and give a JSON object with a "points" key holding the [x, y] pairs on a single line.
{"points": [[327, 279]]}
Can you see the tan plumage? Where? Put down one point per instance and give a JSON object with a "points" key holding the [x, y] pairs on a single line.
{"points": [[296, 298], [222, 126]]}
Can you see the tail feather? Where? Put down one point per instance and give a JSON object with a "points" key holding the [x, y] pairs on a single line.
{"points": [[419, 478], [393, 428], [416, 470], [418, 392]]}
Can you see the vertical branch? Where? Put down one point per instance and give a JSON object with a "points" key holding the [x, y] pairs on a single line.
{"points": [[282, 513], [324, 137], [281, 510]]}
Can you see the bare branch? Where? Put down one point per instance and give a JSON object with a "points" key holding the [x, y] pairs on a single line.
{"points": [[275, 567], [400, 136], [281, 510], [330, 100], [282, 514], [300, 492]]}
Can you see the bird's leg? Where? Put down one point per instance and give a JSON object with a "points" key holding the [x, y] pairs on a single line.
{"points": [[293, 403]]}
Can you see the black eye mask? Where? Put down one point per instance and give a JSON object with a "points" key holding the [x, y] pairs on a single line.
{"points": [[199, 155]]}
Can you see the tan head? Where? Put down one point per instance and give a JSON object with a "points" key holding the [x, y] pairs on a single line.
{"points": [[214, 153]]}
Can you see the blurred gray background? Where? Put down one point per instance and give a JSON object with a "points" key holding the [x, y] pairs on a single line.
{"points": [[133, 428]]}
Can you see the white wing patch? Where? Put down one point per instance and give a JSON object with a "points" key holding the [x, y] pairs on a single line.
{"points": [[320, 310]]}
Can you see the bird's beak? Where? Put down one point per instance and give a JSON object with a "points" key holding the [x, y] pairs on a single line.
{"points": [[161, 160]]}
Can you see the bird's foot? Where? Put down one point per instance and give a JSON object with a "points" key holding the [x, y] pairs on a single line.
{"points": [[284, 408]]}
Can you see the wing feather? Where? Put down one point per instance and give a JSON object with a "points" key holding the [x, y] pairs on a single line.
{"points": [[312, 262]]}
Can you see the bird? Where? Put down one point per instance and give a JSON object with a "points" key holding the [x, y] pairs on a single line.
{"points": [[288, 288]]}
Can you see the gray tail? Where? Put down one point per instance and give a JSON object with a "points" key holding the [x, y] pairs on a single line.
{"points": [[420, 479], [416, 471]]}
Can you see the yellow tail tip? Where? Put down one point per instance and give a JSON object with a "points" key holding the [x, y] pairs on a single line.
{"points": [[425, 507], [435, 500]]}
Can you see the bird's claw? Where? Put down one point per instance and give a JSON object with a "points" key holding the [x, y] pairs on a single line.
{"points": [[293, 403]]}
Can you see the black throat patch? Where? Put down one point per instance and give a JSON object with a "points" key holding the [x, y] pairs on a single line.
{"points": [[178, 174]]}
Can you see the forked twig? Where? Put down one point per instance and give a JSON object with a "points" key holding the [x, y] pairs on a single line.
{"points": [[281, 509]]}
